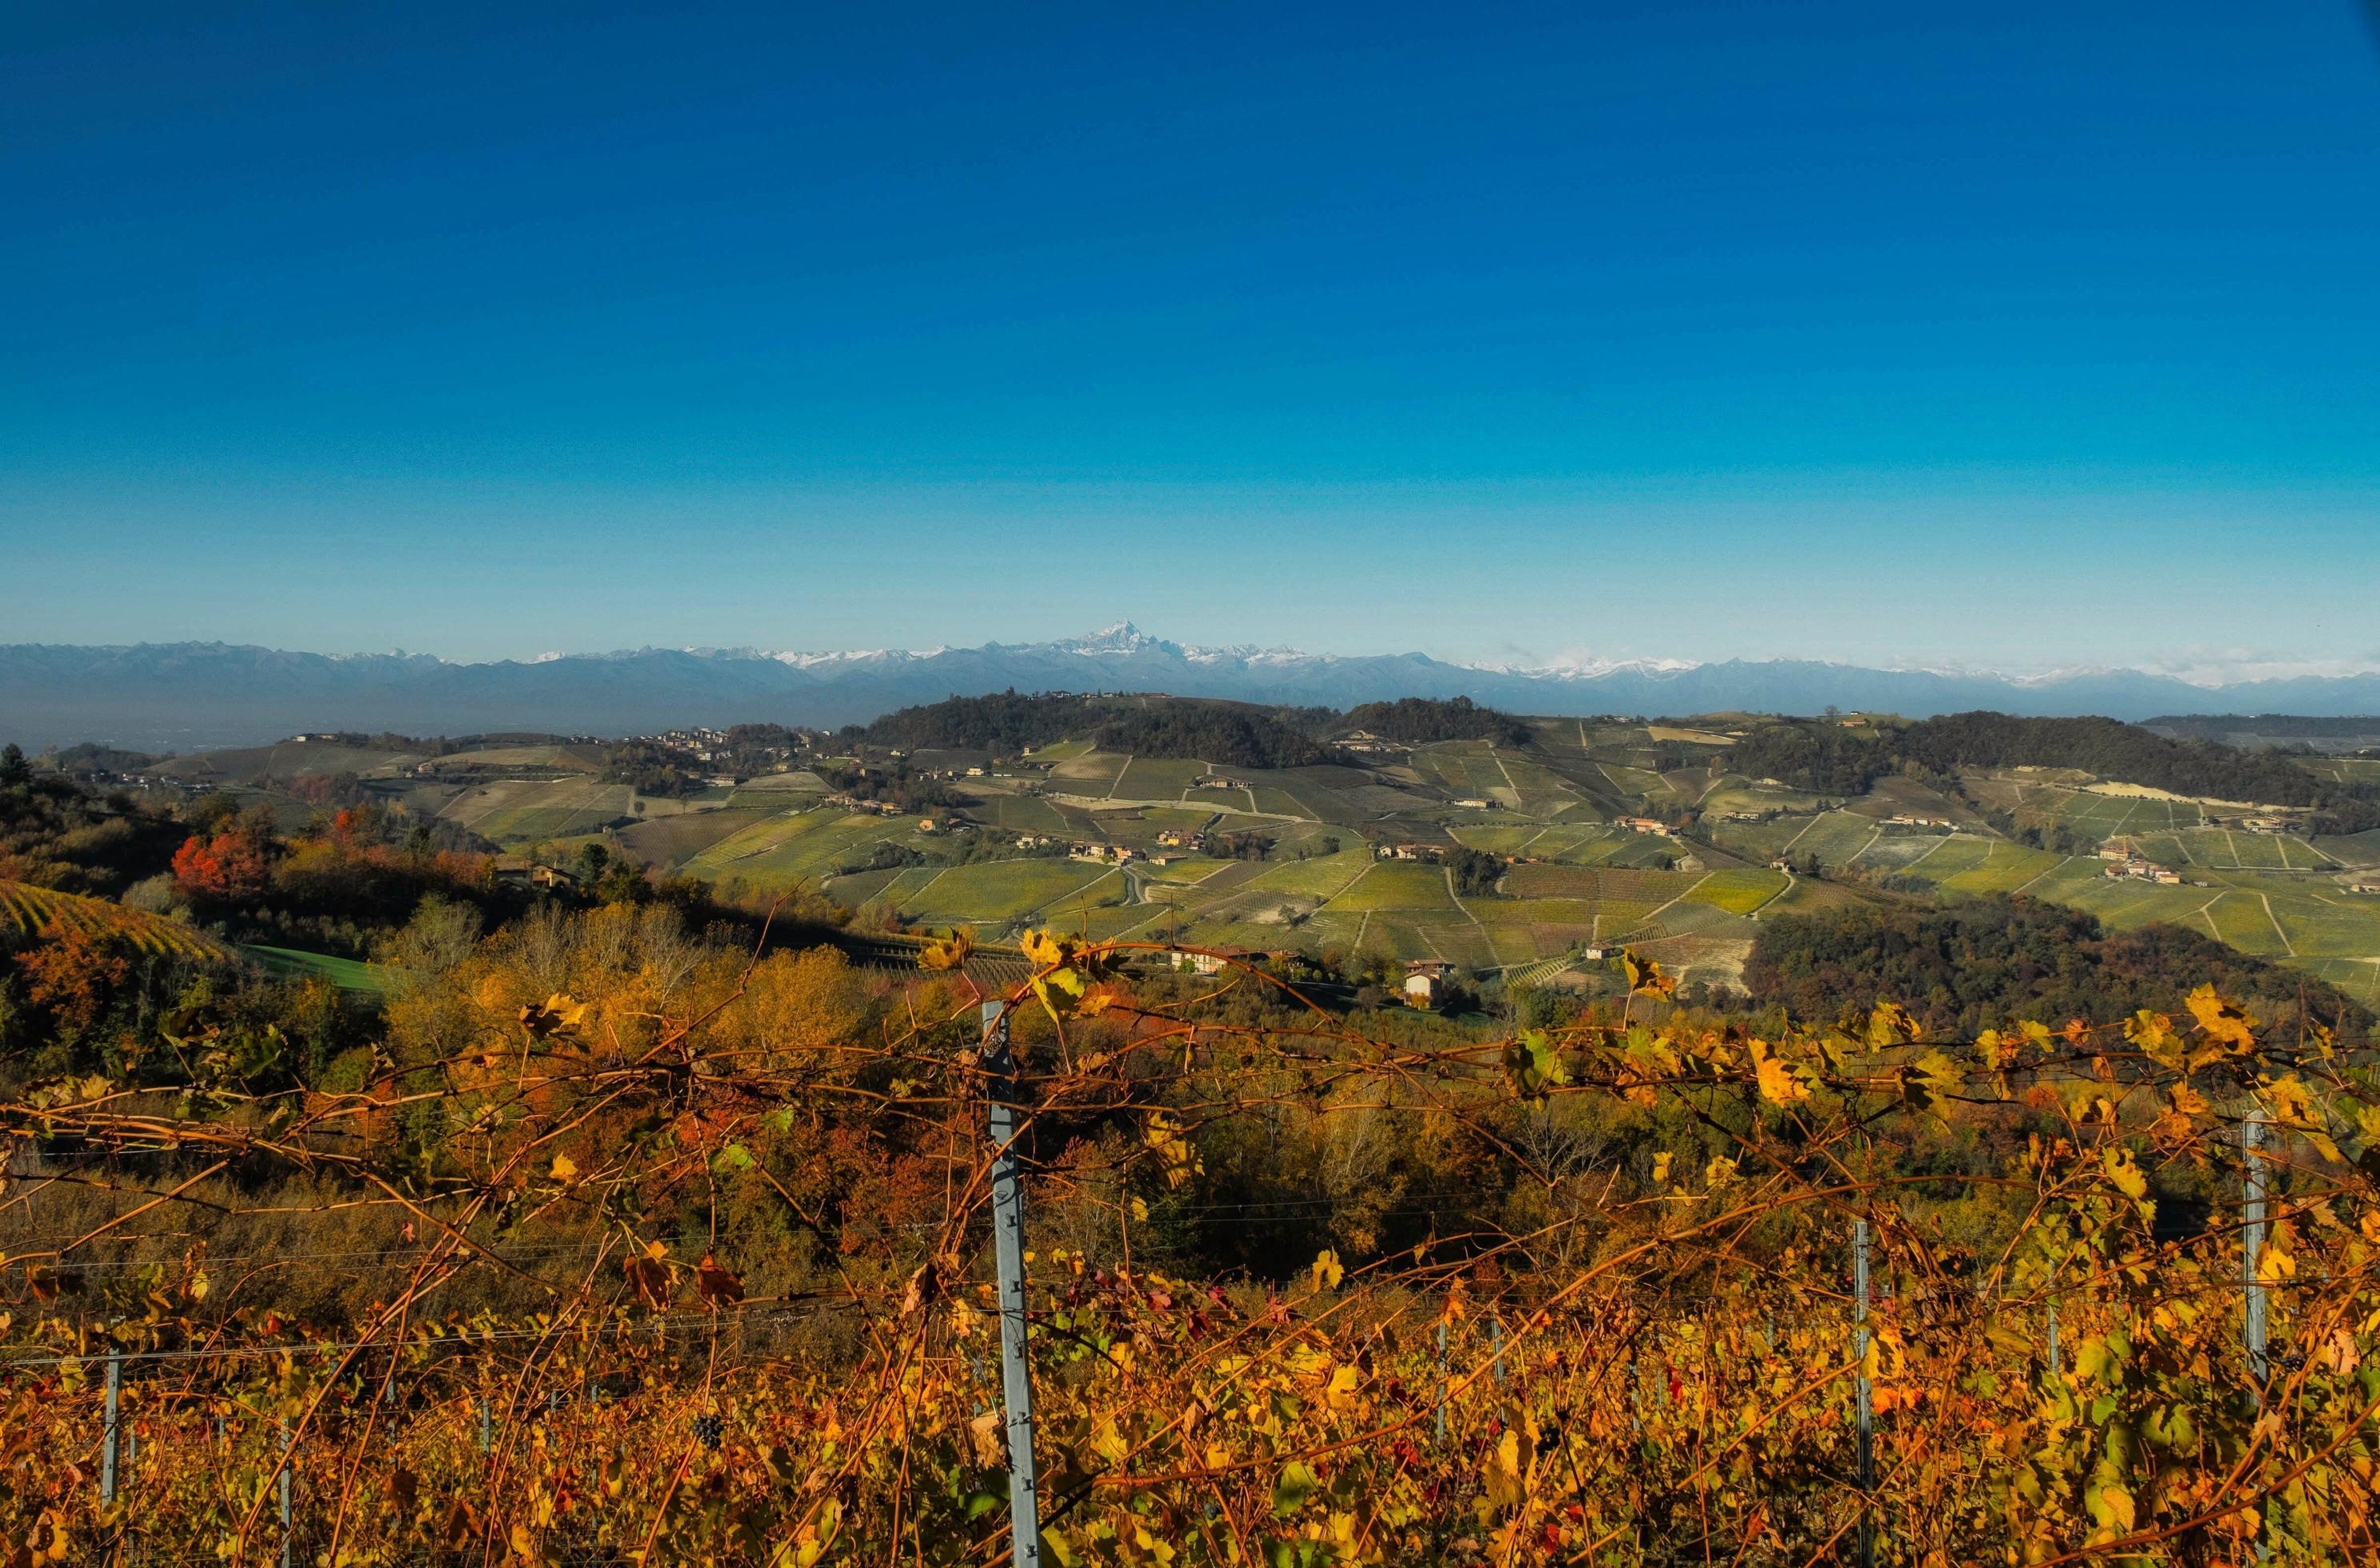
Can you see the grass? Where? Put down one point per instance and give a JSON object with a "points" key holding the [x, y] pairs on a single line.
{"points": [[782, 851], [994, 891], [1397, 884], [570, 759], [1835, 838], [2241, 919], [1153, 777], [1090, 772], [673, 840], [1738, 892], [349, 975], [523, 810], [283, 762], [800, 779], [1598, 884], [2232, 849], [1274, 799], [1322, 876]]}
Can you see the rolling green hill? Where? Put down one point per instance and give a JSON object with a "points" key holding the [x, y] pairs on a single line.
{"points": [[1238, 825]]}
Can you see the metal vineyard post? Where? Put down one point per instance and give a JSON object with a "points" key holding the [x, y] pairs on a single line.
{"points": [[1864, 1394], [1008, 1255], [108, 1453]]}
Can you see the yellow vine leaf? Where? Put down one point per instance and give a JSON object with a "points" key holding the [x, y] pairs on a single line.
{"points": [[1777, 1083], [2222, 1020], [950, 951], [2125, 1174], [1646, 975]]}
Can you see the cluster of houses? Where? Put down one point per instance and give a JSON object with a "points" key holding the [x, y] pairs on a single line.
{"points": [[2130, 864], [1903, 820], [944, 824], [1430, 853], [853, 803], [1095, 850], [518, 871], [1646, 825], [1218, 781], [1365, 743], [2372, 888], [111, 778], [1425, 982]]}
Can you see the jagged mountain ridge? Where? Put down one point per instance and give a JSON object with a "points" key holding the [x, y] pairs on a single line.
{"points": [[177, 696]]}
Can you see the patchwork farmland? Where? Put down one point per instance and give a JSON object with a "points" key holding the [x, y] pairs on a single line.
{"points": [[1577, 837]]}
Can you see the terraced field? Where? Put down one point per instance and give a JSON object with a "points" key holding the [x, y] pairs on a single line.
{"points": [[1395, 884], [2230, 849], [782, 851], [283, 762], [1147, 778], [1548, 801], [523, 810], [672, 840], [1738, 892], [26, 911], [998, 891]]}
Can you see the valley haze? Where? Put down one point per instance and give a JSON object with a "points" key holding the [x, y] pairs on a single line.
{"points": [[183, 695]]}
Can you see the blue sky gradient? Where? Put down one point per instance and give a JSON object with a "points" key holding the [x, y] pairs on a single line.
{"points": [[2025, 336]]}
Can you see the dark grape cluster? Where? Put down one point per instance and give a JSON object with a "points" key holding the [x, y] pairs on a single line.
{"points": [[706, 1432]]}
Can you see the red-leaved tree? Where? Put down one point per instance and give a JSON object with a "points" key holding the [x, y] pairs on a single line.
{"points": [[224, 869]]}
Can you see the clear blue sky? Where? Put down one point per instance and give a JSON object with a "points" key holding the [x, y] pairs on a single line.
{"points": [[2019, 334]]}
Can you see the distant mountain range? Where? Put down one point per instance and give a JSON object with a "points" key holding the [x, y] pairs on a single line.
{"points": [[180, 696]]}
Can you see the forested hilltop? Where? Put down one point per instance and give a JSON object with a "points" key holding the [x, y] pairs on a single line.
{"points": [[1845, 760], [1965, 965], [1240, 735], [1417, 720]]}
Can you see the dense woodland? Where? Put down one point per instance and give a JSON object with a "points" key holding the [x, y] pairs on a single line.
{"points": [[1836, 759], [1967, 965], [2292, 726], [1417, 720], [1229, 734]]}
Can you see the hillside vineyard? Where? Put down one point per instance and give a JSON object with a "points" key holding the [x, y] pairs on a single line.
{"points": [[1154, 1131]]}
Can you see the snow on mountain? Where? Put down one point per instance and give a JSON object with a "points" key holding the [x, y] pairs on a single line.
{"points": [[158, 697]]}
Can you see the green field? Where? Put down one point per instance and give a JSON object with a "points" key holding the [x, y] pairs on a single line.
{"points": [[1089, 772], [1738, 892], [1147, 778], [670, 842], [283, 762], [1321, 876], [348, 974], [1549, 803], [2230, 849], [782, 851], [523, 810], [1005, 890], [1397, 884]]}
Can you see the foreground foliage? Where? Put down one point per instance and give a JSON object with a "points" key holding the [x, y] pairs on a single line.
{"points": [[1585, 1296]]}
